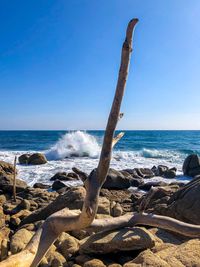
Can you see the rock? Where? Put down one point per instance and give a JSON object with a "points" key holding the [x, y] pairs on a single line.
{"points": [[186, 254], [37, 159], [120, 240], [41, 185], [103, 206], [191, 165], [4, 249], [143, 172], [55, 259], [135, 182], [57, 185], [67, 245], [6, 169], [23, 159], [25, 205], [147, 186], [64, 176], [94, 263], [6, 184], [19, 240], [117, 180], [171, 173], [117, 210], [184, 204]]}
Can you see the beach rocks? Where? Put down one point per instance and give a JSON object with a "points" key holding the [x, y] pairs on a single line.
{"points": [[117, 180], [164, 171], [120, 240], [72, 199], [67, 245], [64, 176], [191, 165], [34, 159]]}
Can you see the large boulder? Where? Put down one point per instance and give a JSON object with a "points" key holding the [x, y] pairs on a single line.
{"points": [[117, 180], [184, 204], [125, 239], [33, 159], [191, 165]]}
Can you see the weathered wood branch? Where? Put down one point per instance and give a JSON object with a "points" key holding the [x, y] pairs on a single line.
{"points": [[14, 179], [64, 220], [117, 138]]}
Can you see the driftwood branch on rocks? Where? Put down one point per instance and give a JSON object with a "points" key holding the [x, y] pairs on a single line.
{"points": [[65, 220]]}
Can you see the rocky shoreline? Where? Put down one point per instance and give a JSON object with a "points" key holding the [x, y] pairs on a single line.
{"points": [[127, 247]]}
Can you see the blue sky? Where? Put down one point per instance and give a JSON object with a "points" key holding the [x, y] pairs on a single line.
{"points": [[59, 63]]}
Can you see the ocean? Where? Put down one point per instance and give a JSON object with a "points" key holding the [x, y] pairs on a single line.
{"points": [[66, 149]]}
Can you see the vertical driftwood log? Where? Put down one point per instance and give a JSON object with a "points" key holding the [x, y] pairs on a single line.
{"points": [[66, 220], [14, 180]]}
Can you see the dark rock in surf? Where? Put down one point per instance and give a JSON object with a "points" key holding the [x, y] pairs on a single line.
{"points": [[23, 159], [34, 159], [191, 165]]}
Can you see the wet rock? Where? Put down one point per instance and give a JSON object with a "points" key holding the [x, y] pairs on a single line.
{"points": [[64, 176], [121, 240], [33, 159], [170, 173], [19, 240], [37, 159], [41, 185], [117, 180], [147, 186], [191, 165], [57, 185], [23, 159]]}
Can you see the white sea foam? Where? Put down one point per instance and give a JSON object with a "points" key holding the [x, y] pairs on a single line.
{"points": [[81, 149], [74, 144]]}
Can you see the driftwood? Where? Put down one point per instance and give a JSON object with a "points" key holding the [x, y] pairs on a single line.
{"points": [[14, 179], [66, 220]]}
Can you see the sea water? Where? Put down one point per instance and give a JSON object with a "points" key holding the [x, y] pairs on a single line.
{"points": [[66, 149]]}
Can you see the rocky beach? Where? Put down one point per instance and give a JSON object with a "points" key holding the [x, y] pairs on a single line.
{"points": [[124, 192]]}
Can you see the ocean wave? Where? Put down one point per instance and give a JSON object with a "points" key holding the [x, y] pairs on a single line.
{"points": [[74, 144]]}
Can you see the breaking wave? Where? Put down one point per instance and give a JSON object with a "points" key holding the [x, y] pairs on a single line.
{"points": [[74, 144]]}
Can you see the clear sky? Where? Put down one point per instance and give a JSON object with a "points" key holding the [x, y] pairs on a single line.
{"points": [[59, 63]]}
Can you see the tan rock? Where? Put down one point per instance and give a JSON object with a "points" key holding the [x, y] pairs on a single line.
{"points": [[94, 263], [103, 206], [67, 245], [125, 239], [55, 259], [19, 240], [117, 210]]}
